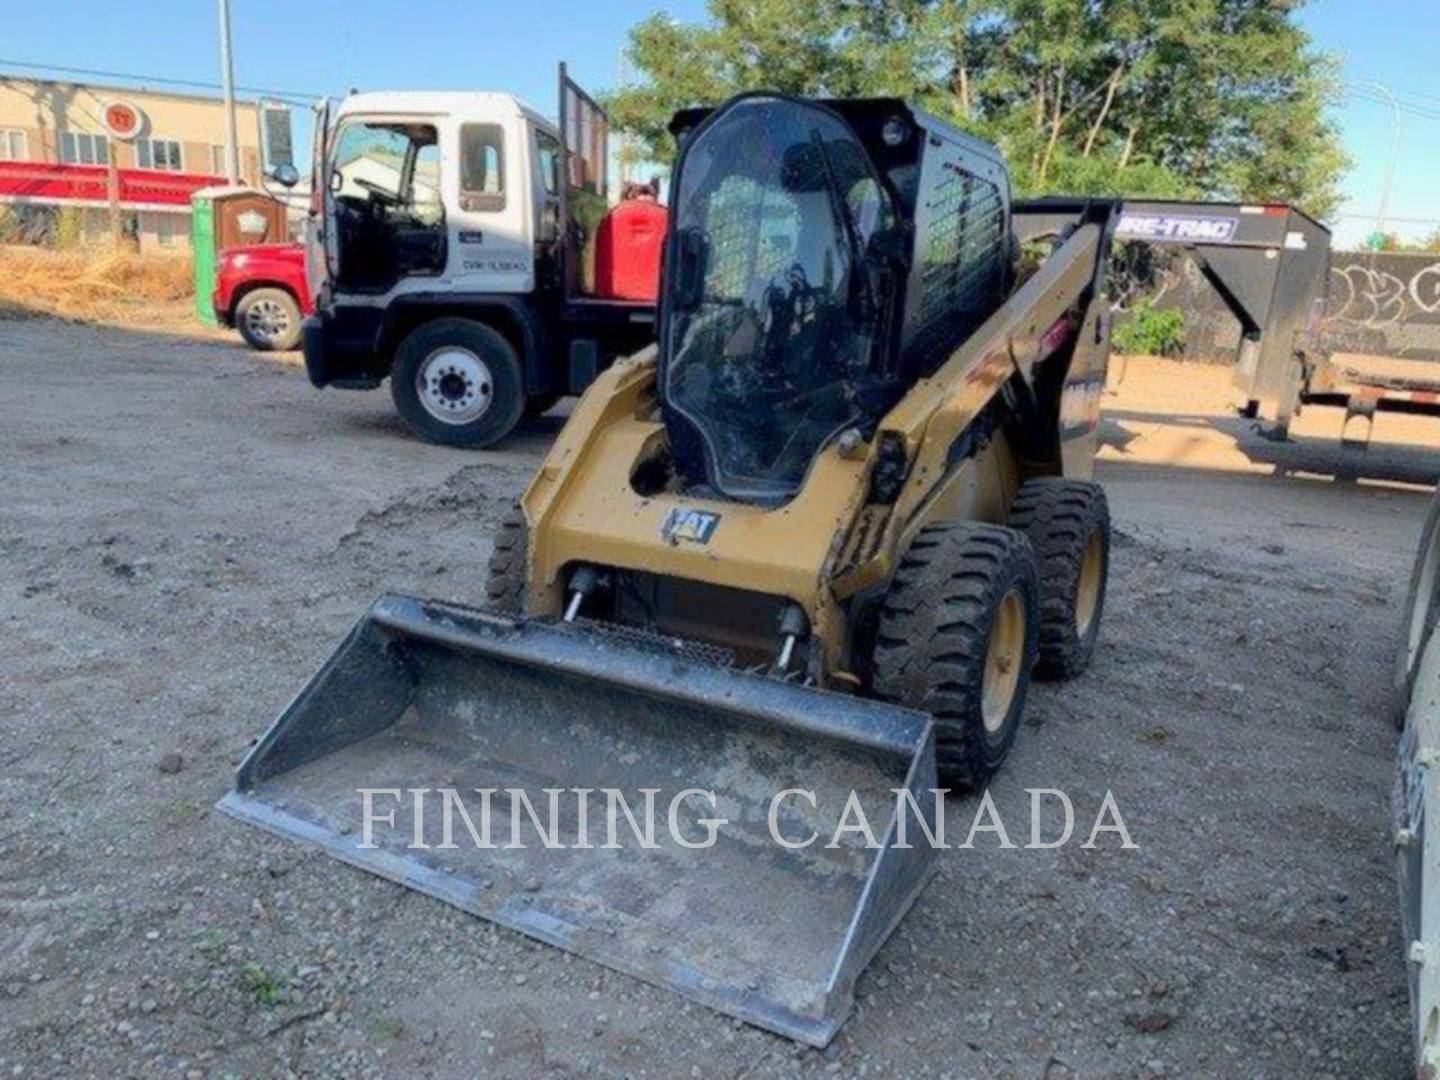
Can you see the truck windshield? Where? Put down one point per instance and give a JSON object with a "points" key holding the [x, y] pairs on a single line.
{"points": [[773, 201], [395, 164]]}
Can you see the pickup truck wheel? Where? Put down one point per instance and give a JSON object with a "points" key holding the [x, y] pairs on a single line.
{"points": [[268, 320], [457, 382]]}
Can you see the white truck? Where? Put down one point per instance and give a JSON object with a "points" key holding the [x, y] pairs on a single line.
{"points": [[449, 250]]}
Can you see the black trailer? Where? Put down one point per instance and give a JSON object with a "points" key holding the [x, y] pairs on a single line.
{"points": [[1270, 265]]}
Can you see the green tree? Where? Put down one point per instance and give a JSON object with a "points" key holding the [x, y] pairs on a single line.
{"points": [[1221, 98]]}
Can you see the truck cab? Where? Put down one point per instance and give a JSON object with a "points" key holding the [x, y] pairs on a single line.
{"points": [[451, 250]]}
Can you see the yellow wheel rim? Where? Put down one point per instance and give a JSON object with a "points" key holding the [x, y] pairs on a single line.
{"points": [[1087, 592], [1003, 657]]}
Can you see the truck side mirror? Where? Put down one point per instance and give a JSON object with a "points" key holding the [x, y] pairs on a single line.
{"points": [[691, 248], [285, 175]]}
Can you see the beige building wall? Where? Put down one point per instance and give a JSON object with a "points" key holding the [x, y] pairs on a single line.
{"points": [[42, 110]]}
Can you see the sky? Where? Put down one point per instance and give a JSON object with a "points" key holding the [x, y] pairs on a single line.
{"points": [[327, 47]]}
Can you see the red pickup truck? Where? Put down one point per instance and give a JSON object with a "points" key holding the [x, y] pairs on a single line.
{"points": [[260, 290]]}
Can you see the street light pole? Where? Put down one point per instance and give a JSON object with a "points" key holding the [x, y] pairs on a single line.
{"points": [[1384, 92], [227, 81]]}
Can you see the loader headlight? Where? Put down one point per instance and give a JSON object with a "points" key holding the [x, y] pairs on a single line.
{"points": [[895, 131]]}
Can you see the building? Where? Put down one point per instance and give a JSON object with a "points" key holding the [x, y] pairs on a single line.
{"points": [[57, 140]]}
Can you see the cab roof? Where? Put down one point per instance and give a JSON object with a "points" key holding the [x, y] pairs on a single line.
{"points": [[481, 105]]}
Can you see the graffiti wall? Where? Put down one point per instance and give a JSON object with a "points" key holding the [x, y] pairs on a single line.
{"points": [[1383, 304]]}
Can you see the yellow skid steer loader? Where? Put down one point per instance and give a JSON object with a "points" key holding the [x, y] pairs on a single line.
{"points": [[786, 572]]}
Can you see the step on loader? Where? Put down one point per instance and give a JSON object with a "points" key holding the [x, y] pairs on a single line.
{"points": [[792, 566]]}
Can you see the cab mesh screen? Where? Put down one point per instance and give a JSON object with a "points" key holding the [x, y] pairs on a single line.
{"points": [[962, 254]]}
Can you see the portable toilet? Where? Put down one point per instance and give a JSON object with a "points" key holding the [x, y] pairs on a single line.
{"points": [[225, 217]]}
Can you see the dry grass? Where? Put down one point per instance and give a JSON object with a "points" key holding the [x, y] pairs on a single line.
{"points": [[97, 285]]}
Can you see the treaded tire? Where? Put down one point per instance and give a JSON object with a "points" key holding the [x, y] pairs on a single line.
{"points": [[1062, 518], [933, 633], [507, 403], [281, 340], [505, 577]]}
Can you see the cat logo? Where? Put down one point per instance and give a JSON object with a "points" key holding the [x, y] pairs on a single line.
{"points": [[692, 526]]}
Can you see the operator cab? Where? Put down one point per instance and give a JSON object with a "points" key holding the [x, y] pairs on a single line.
{"points": [[801, 304]]}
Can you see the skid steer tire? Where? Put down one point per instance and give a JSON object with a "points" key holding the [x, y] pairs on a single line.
{"points": [[956, 637], [1068, 523], [505, 579]]}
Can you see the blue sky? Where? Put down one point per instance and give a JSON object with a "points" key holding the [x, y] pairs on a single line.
{"points": [[327, 47]]}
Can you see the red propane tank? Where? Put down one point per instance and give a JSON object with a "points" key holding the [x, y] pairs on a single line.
{"points": [[627, 251]]}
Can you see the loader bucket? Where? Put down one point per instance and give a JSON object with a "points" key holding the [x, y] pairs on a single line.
{"points": [[427, 696]]}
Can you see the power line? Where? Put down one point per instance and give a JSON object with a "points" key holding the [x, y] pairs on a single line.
{"points": [[298, 96], [1409, 108], [1392, 220]]}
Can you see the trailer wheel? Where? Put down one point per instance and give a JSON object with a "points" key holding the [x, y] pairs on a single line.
{"points": [[1068, 523], [956, 637], [268, 320], [457, 382], [505, 577]]}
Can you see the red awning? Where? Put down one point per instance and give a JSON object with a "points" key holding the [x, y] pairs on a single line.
{"points": [[87, 183]]}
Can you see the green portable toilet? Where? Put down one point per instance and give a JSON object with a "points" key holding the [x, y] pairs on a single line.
{"points": [[224, 217]]}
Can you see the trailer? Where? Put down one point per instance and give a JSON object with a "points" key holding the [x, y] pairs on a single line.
{"points": [[1270, 267]]}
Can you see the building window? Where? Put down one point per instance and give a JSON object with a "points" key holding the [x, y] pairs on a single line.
{"points": [[14, 146], [83, 149], [161, 154], [165, 229], [217, 159]]}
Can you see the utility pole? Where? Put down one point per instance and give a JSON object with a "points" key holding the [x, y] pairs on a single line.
{"points": [[112, 193], [1382, 91], [227, 81]]}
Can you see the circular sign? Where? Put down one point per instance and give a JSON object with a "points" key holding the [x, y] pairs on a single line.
{"points": [[122, 120]]}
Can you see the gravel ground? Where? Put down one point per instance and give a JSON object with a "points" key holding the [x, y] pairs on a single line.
{"points": [[187, 530]]}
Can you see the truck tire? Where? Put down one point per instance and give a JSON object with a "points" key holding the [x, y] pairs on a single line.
{"points": [[268, 319], [505, 577], [956, 637], [457, 382], [1068, 523]]}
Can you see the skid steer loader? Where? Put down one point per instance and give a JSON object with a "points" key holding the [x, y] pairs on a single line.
{"points": [[797, 562]]}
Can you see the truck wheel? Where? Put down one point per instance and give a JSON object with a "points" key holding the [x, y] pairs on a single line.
{"points": [[268, 320], [1068, 523], [956, 637], [505, 579], [457, 382]]}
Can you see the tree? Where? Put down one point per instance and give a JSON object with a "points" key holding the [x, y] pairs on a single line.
{"points": [[1220, 98]]}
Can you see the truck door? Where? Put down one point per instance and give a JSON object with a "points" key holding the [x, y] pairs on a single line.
{"points": [[319, 224]]}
